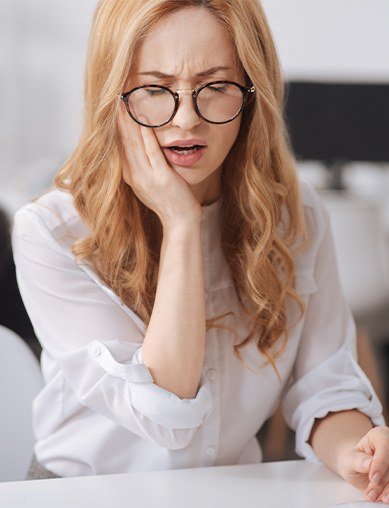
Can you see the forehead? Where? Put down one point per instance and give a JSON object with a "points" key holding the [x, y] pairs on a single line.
{"points": [[191, 37]]}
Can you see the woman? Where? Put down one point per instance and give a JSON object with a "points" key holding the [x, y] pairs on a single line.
{"points": [[180, 279]]}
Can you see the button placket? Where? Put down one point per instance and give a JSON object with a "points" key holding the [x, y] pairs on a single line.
{"points": [[212, 429], [211, 254]]}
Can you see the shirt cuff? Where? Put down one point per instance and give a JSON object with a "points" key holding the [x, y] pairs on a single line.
{"points": [[338, 384], [159, 405]]}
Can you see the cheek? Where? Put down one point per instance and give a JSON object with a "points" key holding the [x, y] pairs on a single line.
{"points": [[235, 128], [227, 136]]}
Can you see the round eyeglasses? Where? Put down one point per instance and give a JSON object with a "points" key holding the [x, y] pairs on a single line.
{"points": [[216, 102]]}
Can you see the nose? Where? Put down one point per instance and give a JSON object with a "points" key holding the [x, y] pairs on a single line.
{"points": [[186, 117]]}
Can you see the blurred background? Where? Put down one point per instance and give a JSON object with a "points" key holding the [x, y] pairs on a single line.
{"points": [[334, 55]]}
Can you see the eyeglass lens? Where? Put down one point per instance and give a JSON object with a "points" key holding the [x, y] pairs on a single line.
{"points": [[216, 103]]}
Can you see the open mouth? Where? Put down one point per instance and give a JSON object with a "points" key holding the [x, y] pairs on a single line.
{"points": [[184, 150]]}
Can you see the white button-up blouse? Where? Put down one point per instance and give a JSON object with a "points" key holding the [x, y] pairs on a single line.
{"points": [[100, 411]]}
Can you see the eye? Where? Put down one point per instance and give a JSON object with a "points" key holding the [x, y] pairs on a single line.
{"points": [[218, 89], [152, 92]]}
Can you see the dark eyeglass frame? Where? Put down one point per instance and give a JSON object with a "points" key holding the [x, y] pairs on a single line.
{"points": [[246, 90]]}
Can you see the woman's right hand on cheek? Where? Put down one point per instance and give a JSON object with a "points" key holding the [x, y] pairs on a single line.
{"points": [[152, 179]]}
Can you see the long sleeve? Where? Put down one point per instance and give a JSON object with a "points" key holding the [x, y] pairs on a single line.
{"points": [[94, 342], [326, 376]]}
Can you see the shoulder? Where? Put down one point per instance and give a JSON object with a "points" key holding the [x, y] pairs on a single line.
{"points": [[311, 199], [52, 216], [315, 214], [317, 223], [53, 208]]}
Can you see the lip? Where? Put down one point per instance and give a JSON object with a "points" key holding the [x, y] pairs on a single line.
{"points": [[184, 160], [186, 142]]}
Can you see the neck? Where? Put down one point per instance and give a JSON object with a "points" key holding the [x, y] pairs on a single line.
{"points": [[209, 190]]}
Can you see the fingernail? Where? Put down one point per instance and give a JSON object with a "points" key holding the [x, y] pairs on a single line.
{"points": [[376, 478], [366, 463], [372, 495]]}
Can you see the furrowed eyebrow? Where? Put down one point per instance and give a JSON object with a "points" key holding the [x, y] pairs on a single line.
{"points": [[208, 72]]}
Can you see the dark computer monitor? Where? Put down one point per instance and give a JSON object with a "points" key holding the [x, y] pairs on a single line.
{"points": [[337, 123]]}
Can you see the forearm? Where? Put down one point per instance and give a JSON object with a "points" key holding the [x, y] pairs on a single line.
{"points": [[336, 434], [173, 348]]}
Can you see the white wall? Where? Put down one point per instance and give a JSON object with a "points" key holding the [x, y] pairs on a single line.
{"points": [[42, 52], [340, 40]]}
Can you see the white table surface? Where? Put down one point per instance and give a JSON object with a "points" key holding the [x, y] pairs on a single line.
{"points": [[290, 484]]}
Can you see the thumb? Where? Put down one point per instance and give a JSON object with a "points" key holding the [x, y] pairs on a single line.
{"points": [[360, 462]]}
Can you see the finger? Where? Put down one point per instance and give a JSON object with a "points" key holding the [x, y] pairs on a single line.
{"points": [[376, 490], [129, 129], [134, 149], [123, 118], [152, 147], [379, 469], [361, 462], [385, 495]]}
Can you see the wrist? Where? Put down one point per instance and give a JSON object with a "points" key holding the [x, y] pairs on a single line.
{"points": [[182, 227], [335, 437]]}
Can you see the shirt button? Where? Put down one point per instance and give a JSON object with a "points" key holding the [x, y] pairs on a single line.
{"points": [[210, 450], [211, 374], [96, 351]]}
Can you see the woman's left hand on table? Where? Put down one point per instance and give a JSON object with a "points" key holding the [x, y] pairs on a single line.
{"points": [[366, 466]]}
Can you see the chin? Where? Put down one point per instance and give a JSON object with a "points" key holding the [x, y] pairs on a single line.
{"points": [[192, 173]]}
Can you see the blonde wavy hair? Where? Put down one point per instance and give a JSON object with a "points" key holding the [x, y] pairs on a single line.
{"points": [[262, 217]]}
